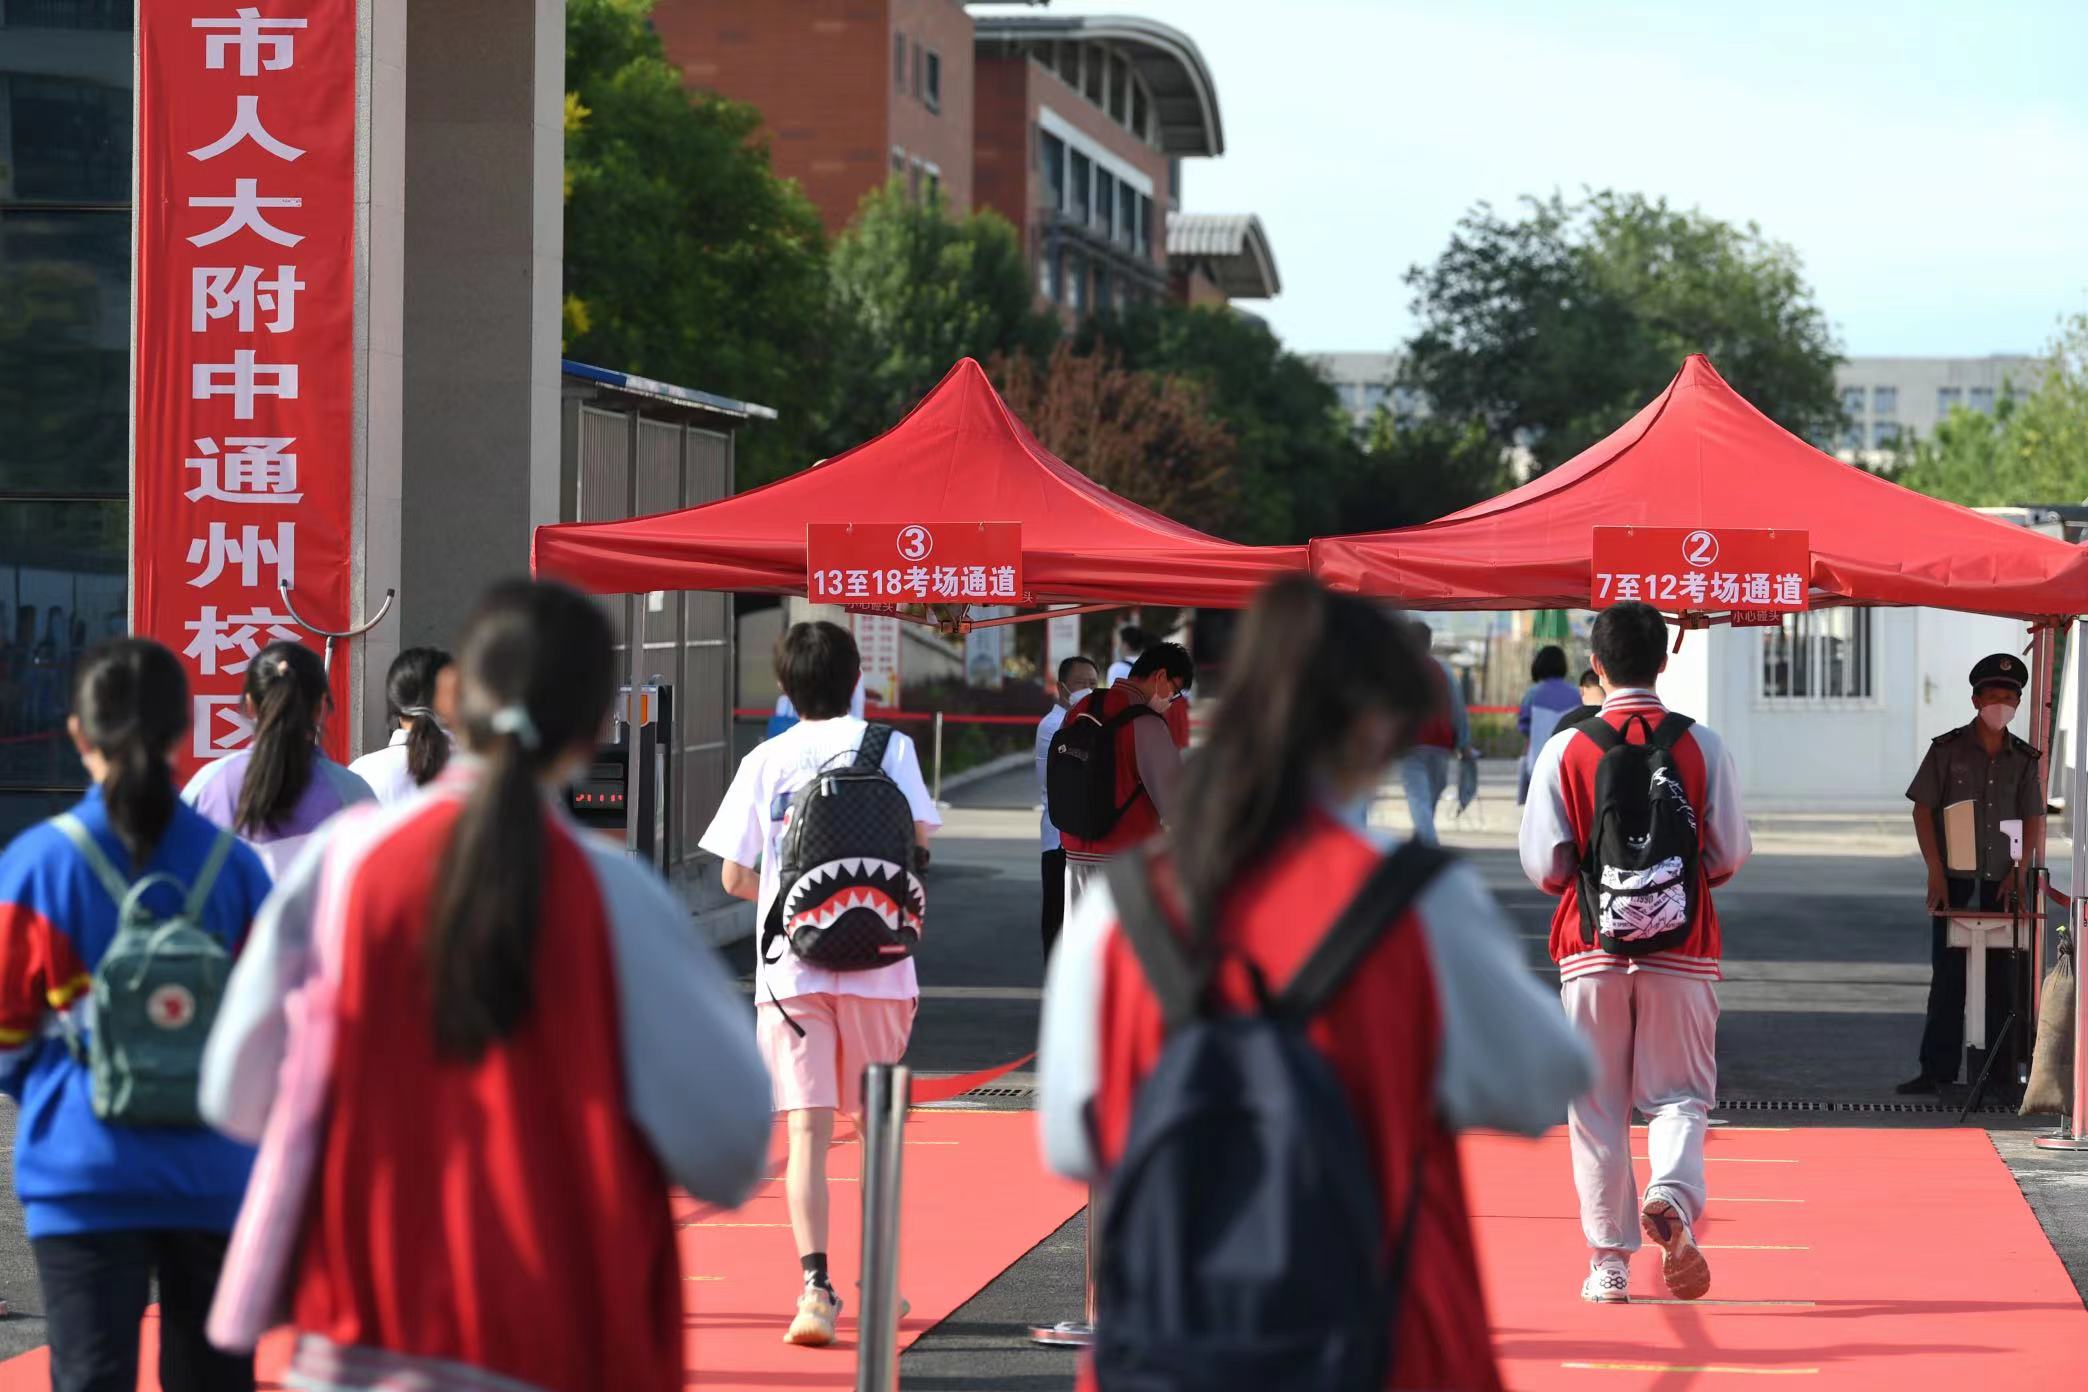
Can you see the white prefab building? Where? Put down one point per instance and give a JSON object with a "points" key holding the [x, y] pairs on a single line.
{"points": [[1834, 710]]}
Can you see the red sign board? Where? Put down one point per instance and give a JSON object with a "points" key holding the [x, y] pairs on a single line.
{"points": [[243, 469], [1702, 570], [873, 563]]}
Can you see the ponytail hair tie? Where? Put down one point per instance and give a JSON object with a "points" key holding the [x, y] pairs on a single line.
{"points": [[422, 713], [514, 720]]}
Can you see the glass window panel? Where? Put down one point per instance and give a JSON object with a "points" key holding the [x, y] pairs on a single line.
{"points": [[21, 811], [1980, 398], [1080, 178], [65, 102], [63, 589], [1852, 400], [1885, 400], [1948, 399], [64, 351]]}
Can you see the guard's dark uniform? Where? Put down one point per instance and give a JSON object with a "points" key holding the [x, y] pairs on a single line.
{"points": [[1958, 769]]}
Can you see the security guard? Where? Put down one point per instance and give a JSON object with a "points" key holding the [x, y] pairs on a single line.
{"points": [[1984, 764]]}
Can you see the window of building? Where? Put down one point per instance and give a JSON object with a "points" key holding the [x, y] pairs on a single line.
{"points": [[1821, 655], [1885, 434], [1103, 303], [1980, 398], [933, 94], [1145, 226], [1853, 399], [1076, 283], [1051, 154], [934, 186], [899, 62], [65, 258], [917, 70], [1105, 201], [898, 161], [1119, 91], [1885, 400], [1094, 73], [1852, 437], [1948, 399], [1138, 110], [1051, 275], [1080, 178]]}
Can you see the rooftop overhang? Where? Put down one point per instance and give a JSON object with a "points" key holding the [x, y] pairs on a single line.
{"points": [[1232, 248], [1166, 59], [684, 400]]}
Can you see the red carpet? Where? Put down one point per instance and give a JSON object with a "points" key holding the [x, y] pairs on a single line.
{"points": [[976, 1199], [1851, 1259], [1857, 1259]]}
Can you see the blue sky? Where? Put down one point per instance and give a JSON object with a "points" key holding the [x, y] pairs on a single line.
{"points": [[1928, 162]]}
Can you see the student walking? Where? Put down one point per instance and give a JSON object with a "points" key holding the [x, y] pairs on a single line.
{"points": [[477, 1045], [820, 1025], [1632, 827], [280, 789], [1144, 763], [1273, 906], [1444, 730], [420, 701], [1550, 697], [1076, 677], [113, 1206]]}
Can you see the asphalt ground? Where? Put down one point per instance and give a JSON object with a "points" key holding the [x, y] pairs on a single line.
{"points": [[1826, 976]]}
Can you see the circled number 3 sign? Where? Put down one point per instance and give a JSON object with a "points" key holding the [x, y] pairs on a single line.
{"points": [[1702, 570], [882, 563]]}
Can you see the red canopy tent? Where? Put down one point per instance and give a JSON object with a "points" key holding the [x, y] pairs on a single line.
{"points": [[1700, 456], [958, 456]]}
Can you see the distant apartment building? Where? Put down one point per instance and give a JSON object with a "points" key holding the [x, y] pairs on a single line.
{"points": [[1073, 127], [1890, 400], [1367, 382]]}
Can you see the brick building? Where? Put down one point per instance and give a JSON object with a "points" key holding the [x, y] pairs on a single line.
{"points": [[1073, 127]]}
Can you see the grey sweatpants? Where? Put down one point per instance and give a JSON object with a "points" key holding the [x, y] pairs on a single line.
{"points": [[1655, 1041]]}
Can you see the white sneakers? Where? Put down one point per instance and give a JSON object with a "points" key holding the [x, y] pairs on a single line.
{"points": [[817, 1309], [1609, 1280], [1682, 1264]]}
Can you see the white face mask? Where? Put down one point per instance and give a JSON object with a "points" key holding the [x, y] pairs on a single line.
{"points": [[1997, 717]]}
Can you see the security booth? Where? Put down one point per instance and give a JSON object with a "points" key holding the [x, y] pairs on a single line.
{"points": [[632, 447]]}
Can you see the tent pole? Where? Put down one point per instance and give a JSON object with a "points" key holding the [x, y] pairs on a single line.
{"points": [[2073, 1128]]}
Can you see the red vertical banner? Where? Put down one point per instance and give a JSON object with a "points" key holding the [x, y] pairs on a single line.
{"points": [[242, 474]]}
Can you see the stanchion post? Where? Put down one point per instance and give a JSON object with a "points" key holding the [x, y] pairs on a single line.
{"points": [[1079, 1333], [887, 1088], [937, 794]]}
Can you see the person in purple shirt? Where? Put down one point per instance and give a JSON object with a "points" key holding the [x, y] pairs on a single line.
{"points": [[278, 791], [1543, 705]]}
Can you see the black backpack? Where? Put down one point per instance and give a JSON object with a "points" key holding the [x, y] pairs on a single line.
{"points": [[1638, 877], [1080, 770], [848, 899], [1244, 1238]]}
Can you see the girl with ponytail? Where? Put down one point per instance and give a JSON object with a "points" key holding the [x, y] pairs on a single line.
{"points": [[281, 788], [420, 698], [1437, 1027], [509, 1062], [112, 1208]]}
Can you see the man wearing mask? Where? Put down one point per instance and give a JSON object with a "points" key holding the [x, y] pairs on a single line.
{"points": [[1981, 763], [1147, 764], [1077, 676]]}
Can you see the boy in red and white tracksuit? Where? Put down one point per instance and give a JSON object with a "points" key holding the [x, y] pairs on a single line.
{"points": [[1652, 1020]]}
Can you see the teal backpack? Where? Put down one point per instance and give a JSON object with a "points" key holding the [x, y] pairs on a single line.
{"points": [[154, 996]]}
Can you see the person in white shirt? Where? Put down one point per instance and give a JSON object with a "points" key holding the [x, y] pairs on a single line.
{"points": [[1132, 641], [817, 1028], [1076, 677], [420, 698]]}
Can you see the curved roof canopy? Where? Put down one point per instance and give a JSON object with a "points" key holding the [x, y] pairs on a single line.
{"points": [[1700, 455], [959, 456], [1167, 60], [1235, 248]]}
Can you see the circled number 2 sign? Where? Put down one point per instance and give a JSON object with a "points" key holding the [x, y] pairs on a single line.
{"points": [[885, 563], [1702, 570]]}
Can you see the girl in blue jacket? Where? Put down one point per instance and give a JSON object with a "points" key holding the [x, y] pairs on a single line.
{"points": [[110, 1206]]}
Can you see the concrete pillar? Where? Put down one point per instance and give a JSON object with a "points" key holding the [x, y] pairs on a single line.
{"points": [[484, 237]]}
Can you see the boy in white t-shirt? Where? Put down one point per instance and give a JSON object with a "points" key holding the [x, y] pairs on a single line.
{"points": [[817, 1029]]}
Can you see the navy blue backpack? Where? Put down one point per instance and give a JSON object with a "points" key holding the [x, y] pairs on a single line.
{"points": [[1243, 1239]]}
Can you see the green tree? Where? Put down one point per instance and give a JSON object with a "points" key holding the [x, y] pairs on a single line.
{"points": [[1419, 470], [913, 290], [686, 257], [1298, 456], [2030, 449], [1552, 328]]}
